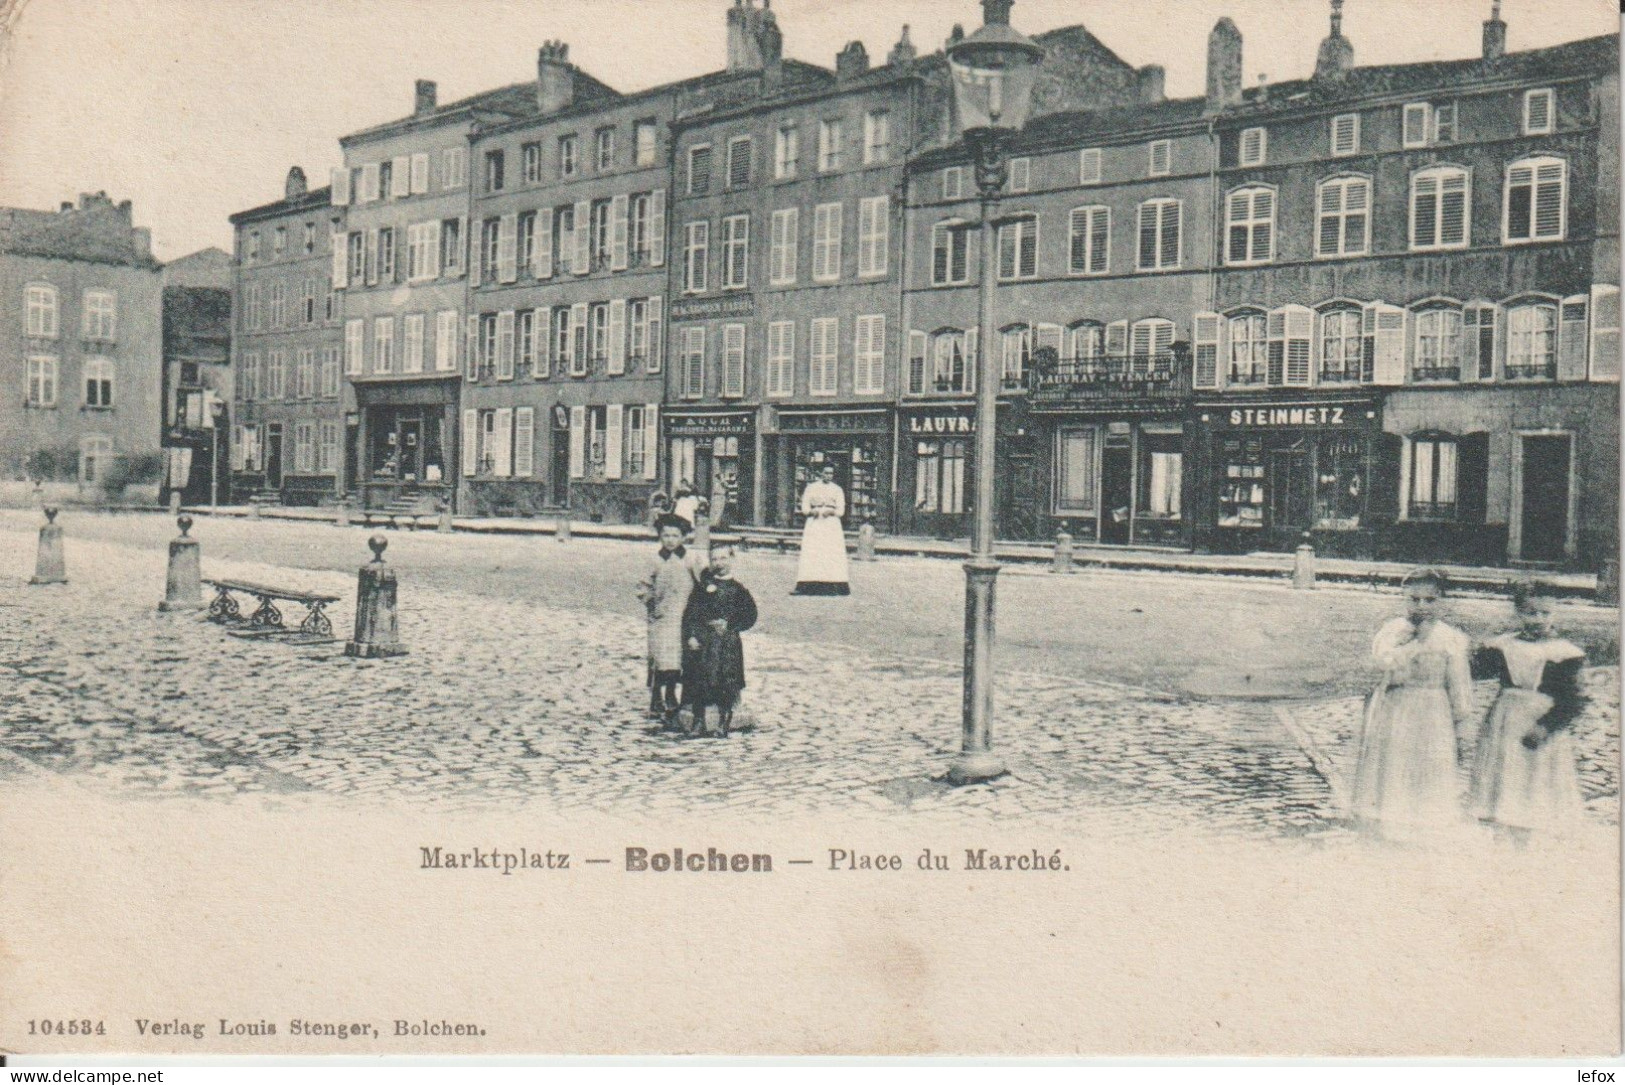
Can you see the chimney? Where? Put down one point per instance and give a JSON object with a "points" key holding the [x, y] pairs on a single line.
{"points": [[1223, 66], [555, 77], [903, 53], [296, 186], [1263, 94], [424, 93], [997, 12], [1336, 54], [67, 205], [851, 62], [126, 211], [1150, 83], [1495, 34], [745, 37]]}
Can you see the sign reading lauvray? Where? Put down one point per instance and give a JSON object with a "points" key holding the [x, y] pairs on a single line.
{"points": [[711, 308]]}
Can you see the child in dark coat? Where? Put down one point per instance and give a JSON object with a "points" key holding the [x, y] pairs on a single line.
{"points": [[714, 665]]}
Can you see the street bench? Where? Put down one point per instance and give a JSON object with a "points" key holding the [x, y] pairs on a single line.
{"points": [[266, 619]]}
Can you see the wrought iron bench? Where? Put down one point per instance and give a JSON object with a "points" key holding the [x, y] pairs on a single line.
{"points": [[266, 619]]}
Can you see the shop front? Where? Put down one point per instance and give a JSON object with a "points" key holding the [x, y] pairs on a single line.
{"points": [[1267, 471], [406, 441], [715, 453], [936, 472], [856, 443]]}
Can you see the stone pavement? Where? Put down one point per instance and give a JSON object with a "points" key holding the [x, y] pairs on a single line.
{"points": [[507, 702]]}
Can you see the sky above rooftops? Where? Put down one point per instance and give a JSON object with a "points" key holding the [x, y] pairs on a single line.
{"points": [[195, 109]]}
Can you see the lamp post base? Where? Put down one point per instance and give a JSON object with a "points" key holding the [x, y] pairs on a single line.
{"points": [[974, 768]]}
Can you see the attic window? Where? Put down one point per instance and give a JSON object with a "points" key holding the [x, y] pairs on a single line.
{"points": [[1346, 134], [1160, 154], [1538, 112], [1254, 144], [1021, 174], [953, 183], [1089, 166]]}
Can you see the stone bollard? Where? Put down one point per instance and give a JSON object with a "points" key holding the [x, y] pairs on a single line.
{"points": [[1062, 561], [342, 517], [49, 565], [561, 527], [866, 542], [702, 533], [174, 502], [377, 633], [444, 525], [183, 588], [1303, 565], [253, 509], [1608, 583]]}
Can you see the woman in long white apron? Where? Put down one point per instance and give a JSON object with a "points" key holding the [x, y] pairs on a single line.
{"points": [[822, 569]]}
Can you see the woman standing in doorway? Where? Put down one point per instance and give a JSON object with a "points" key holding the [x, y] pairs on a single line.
{"points": [[1405, 781], [822, 569]]}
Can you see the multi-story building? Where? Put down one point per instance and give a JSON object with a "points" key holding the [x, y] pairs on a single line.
{"points": [[288, 439], [197, 375], [568, 287], [83, 355], [405, 277], [790, 253], [1413, 348]]}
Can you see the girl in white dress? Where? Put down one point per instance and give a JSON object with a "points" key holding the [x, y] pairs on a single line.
{"points": [[1525, 778], [1405, 781]]}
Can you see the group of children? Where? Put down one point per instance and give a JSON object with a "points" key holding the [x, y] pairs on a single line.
{"points": [[1524, 776], [696, 612]]}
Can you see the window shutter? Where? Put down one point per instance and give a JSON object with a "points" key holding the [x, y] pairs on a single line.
{"points": [[507, 248], [1416, 125], [733, 360], [1049, 335], [341, 187], [617, 337], [371, 258], [505, 345], [612, 440], [617, 232], [565, 361], [1573, 339], [369, 183], [524, 441], [1117, 339], [400, 177], [1385, 332], [657, 227], [973, 357], [581, 257], [1205, 369], [917, 361], [420, 174], [1298, 336], [1478, 343], [580, 340], [651, 440], [656, 339], [1605, 345], [578, 442], [502, 442], [475, 249], [471, 347], [471, 437], [542, 367], [341, 260]]}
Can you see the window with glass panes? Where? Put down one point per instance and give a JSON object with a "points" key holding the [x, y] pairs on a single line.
{"points": [[735, 252], [1089, 246], [1531, 342], [1018, 249], [786, 152], [950, 253], [568, 149], [1432, 493], [1085, 341], [1439, 202], [41, 311], [1535, 200], [1159, 248], [530, 159], [1249, 348], [952, 371], [1344, 217], [696, 254], [1438, 345], [876, 137], [1250, 226], [604, 147], [1016, 351], [644, 136], [939, 480], [42, 377], [1342, 346], [100, 315], [829, 145]]}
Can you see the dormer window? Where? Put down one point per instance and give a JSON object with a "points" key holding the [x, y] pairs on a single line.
{"points": [[1254, 146], [1539, 112], [1160, 155]]}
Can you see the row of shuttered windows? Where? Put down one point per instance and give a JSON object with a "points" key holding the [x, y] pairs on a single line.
{"points": [[314, 448], [612, 441], [271, 376]]}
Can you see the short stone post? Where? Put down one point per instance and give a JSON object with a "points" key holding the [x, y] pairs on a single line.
{"points": [[253, 509], [1303, 564], [444, 524], [183, 588], [1608, 582], [49, 565], [561, 527], [342, 517], [174, 502], [377, 632], [866, 542], [1062, 560]]}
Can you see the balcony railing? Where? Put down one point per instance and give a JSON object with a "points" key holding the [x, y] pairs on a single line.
{"points": [[1138, 378], [1544, 372], [1436, 373]]}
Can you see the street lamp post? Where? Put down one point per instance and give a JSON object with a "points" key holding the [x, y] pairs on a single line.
{"points": [[993, 73]]}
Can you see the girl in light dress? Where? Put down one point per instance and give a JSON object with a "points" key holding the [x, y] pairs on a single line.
{"points": [[1405, 781], [1525, 776]]}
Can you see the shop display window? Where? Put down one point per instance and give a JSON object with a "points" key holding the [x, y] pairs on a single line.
{"points": [[1242, 485]]}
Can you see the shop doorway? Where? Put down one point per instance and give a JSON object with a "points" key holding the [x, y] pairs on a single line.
{"points": [[1544, 520], [1116, 489], [1291, 487], [273, 456], [561, 459]]}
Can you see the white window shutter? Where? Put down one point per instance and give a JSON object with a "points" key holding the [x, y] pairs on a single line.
{"points": [[471, 347], [657, 228], [524, 442], [617, 337], [651, 441], [372, 257], [612, 440], [1298, 332], [471, 437], [1605, 344], [420, 174], [578, 442], [1117, 339], [505, 345], [542, 367], [474, 249], [617, 218], [341, 187], [369, 184], [341, 260], [580, 339], [400, 177], [581, 261], [1206, 372], [566, 359], [1385, 328], [502, 443], [1573, 339], [656, 339], [507, 248], [541, 253]]}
